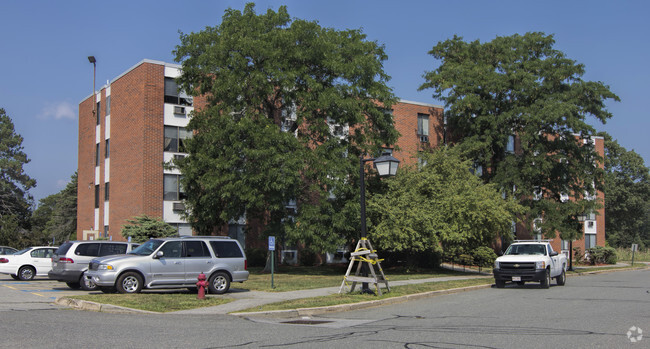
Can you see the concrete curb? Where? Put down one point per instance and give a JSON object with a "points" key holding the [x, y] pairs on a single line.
{"points": [[98, 307], [355, 306]]}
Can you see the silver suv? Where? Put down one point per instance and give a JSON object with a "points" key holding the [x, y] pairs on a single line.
{"points": [[172, 263], [71, 260]]}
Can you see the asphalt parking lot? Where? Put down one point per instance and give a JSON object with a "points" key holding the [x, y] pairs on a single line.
{"points": [[40, 286]]}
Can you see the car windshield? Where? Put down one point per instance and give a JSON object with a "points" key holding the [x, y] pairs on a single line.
{"points": [[23, 251], [147, 248], [526, 249]]}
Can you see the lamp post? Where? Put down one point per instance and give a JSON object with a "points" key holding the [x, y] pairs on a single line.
{"points": [[581, 218], [92, 60], [386, 165]]}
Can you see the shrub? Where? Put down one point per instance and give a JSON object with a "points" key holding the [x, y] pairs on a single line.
{"points": [[484, 256], [600, 254], [256, 257], [307, 258]]}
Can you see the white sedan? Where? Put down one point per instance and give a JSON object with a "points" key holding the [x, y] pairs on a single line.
{"points": [[28, 263]]}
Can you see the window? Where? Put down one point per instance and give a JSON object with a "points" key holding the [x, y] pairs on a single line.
{"points": [[590, 241], [173, 95], [510, 146], [106, 190], [175, 138], [565, 244], [97, 111], [97, 154], [423, 127], [172, 249], [110, 249], [172, 189], [105, 231], [226, 249], [108, 105], [107, 151], [96, 196], [196, 249], [91, 250], [42, 253]]}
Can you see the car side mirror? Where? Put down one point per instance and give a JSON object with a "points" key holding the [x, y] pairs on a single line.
{"points": [[158, 255], [553, 254]]}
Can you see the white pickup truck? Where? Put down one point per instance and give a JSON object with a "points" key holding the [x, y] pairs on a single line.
{"points": [[530, 260]]}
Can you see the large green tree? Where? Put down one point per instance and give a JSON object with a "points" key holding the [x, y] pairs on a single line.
{"points": [[290, 108], [440, 206], [15, 201], [627, 196], [55, 219], [520, 86]]}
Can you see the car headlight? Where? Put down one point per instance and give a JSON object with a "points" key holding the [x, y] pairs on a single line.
{"points": [[540, 265], [105, 267], [496, 264]]}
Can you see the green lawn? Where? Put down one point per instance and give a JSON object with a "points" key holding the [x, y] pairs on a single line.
{"points": [[159, 302], [290, 278]]}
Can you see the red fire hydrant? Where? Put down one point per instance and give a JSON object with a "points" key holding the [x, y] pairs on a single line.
{"points": [[201, 284]]}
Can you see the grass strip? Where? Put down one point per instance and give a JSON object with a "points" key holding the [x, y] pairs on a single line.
{"points": [[305, 278], [158, 302], [356, 297]]}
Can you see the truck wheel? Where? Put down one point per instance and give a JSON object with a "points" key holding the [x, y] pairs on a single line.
{"points": [[219, 283], [500, 283], [73, 285], [129, 282], [86, 284], [546, 283], [561, 280]]}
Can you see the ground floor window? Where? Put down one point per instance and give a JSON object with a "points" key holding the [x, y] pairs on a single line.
{"points": [[590, 241]]}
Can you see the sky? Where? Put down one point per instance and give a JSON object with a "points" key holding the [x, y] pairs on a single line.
{"points": [[45, 73]]}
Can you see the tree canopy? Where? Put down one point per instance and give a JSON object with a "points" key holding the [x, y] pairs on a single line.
{"points": [[55, 219], [15, 200], [440, 206], [627, 196], [142, 228], [520, 88], [290, 108]]}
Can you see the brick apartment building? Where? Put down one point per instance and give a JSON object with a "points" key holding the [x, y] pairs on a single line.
{"points": [[140, 123]]}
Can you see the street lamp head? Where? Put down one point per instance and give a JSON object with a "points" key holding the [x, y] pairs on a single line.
{"points": [[92, 59], [386, 165]]}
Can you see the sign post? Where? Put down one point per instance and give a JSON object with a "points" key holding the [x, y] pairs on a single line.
{"points": [[635, 247], [272, 250]]}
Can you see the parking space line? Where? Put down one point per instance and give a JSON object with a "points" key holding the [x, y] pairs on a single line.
{"points": [[13, 288]]}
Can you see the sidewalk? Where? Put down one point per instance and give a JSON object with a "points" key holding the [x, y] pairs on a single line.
{"points": [[245, 299]]}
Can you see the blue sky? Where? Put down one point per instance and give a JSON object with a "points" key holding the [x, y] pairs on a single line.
{"points": [[45, 72]]}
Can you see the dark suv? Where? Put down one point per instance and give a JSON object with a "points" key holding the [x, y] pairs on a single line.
{"points": [[70, 261]]}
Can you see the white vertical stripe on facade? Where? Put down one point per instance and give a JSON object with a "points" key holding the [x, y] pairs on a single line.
{"points": [[98, 130], [107, 128], [106, 210], [107, 170], [96, 174], [96, 227]]}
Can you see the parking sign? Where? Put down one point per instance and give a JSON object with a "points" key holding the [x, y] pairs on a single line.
{"points": [[271, 243]]}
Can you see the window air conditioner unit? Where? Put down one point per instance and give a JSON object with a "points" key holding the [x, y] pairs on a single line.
{"points": [[178, 206], [179, 110], [424, 139]]}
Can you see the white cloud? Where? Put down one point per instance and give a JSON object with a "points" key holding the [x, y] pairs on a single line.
{"points": [[58, 111]]}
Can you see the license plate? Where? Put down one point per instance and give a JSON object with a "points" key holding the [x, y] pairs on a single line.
{"points": [[516, 278]]}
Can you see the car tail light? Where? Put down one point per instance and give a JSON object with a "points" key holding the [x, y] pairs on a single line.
{"points": [[66, 260], [245, 264], [4, 260]]}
